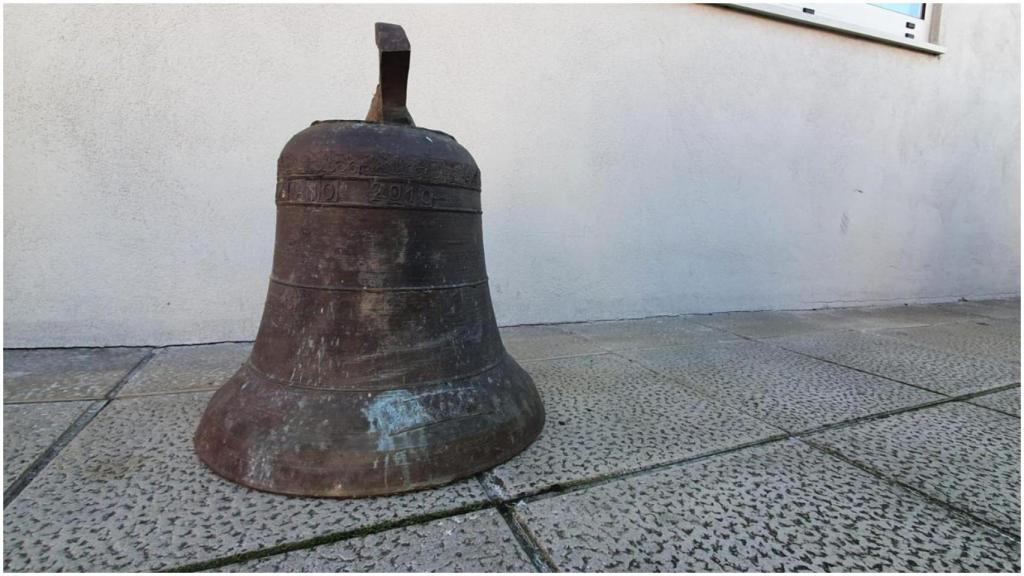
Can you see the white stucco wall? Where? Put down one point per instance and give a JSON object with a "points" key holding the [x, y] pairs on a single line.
{"points": [[636, 160]]}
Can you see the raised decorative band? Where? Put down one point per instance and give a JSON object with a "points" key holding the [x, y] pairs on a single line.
{"points": [[425, 288], [402, 166], [376, 193]]}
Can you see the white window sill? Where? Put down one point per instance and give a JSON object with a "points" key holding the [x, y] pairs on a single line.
{"points": [[838, 26]]}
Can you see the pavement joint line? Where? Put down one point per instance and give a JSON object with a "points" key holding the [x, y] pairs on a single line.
{"points": [[980, 315], [98, 347], [968, 317], [902, 410], [29, 474], [815, 307], [335, 537], [832, 425], [595, 353], [502, 503], [497, 501], [947, 398], [834, 363], [880, 332], [842, 423], [1010, 414], [329, 538], [603, 320], [168, 393], [69, 434], [987, 392], [153, 347], [555, 490], [700, 393], [575, 486], [838, 455], [112, 393], [885, 334], [869, 373], [620, 351], [932, 300], [535, 551], [588, 483], [529, 543], [53, 401]]}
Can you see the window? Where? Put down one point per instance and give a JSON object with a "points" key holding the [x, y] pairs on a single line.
{"points": [[912, 10], [908, 25]]}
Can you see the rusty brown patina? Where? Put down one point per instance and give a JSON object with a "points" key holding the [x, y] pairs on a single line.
{"points": [[378, 367]]}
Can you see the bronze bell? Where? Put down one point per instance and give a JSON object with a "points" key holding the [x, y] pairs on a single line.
{"points": [[378, 367]]}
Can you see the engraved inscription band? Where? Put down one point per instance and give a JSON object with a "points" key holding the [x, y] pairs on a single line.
{"points": [[403, 167], [376, 193]]}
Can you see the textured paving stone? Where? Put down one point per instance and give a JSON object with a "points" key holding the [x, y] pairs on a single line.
{"points": [[782, 388], [998, 309], [129, 493], [540, 342], [999, 339], [780, 507], [69, 374], [881, 317], [646, 333], [474, 542], [182, 368], [29, 429], [606, 415], [961, 454], [767, 324], [928, 368], [1007, 401]]}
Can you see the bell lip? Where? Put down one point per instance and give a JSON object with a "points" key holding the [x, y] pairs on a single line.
{"points": [[343, 121], [532, 430], [528, 441]]}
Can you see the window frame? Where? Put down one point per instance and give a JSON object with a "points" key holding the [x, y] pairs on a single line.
{"points": [[843, 19]]}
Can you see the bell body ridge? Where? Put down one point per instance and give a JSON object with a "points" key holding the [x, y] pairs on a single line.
{"points": [[378, 367]]}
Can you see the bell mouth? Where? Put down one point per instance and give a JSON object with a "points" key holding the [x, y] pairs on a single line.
{"points": [[353, 443]]}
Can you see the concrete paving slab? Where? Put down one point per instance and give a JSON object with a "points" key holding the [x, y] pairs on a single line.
{"points": [[66, 374], [881, 317], [780, 387], [999, 339], [29, 429], [1011, 301], [964, 455], [128, 493], [778, 507], [996, 309], [606, 415], [183, 368], [646, 333], [1007, 401], [767, 324], [475, 542], [935, 370], [541, 342]]}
